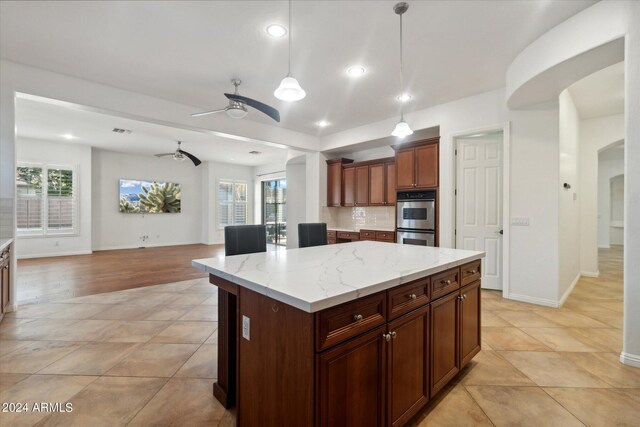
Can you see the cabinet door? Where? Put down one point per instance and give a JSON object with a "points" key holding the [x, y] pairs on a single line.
{"points": [[408, 366], [427, 166], [444, 341], [350, 382], [405, 169], [362, 185], [334, 184], [390, 191], [376, 185], [469, 322], [349, 187]]}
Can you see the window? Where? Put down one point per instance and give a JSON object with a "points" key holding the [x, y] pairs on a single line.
{"points": [[232, 203], [46, 200]]}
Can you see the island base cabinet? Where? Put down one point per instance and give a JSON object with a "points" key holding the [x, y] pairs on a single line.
{"points": [[445, 363], [351, 382], [469, 322], [408, 366]]}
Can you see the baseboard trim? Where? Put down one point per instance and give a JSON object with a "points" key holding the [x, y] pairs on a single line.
{"points": [[566, 294], [152, 245], [630, 359], [590, 273], [534, 300], [53, 255]]}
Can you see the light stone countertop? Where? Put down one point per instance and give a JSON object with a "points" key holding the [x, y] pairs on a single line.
{"points": [[4, 243], [319, 277], [357, 230]]}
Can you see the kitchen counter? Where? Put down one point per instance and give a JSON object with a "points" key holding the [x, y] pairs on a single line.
{"points": [[4, 243], [315, 278], [357, 229]]}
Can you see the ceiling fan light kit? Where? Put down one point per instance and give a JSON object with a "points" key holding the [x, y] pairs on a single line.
{"points": [[402, 129], [289, 89]]}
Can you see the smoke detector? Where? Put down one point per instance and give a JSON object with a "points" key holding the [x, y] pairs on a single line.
{"points": [[124, 131]]}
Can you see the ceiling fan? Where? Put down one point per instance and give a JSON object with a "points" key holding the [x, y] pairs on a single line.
{"points": [[237, 107], [180, 155]]}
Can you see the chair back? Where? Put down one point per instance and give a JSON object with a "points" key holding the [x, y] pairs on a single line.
{"points": [[312, 234], [244, 239]]}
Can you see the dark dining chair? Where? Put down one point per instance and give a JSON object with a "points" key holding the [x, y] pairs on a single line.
{"points": [[244, 239], [312, 234]]}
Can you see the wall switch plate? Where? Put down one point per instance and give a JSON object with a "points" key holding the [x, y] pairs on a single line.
{"points": [[520, 220], [246, 328]]}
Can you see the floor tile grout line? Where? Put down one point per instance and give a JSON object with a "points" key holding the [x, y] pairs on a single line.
{"points": [[478, 404]]}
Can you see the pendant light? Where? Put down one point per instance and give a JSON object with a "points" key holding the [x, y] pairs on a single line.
{"points": [[289, 89], [402, 128]]}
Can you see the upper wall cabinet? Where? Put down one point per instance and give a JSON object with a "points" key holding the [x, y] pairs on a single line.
{"points": [[417, 165], [334, 181], [382, 184]]}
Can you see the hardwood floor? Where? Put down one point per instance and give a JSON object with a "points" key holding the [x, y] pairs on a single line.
{"points": [[47, 279]]}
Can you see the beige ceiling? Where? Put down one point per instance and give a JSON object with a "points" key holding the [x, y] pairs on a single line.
{"points": [[187, 51]]}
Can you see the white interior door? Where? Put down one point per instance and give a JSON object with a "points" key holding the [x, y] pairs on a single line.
{"points": [[479, 203]]}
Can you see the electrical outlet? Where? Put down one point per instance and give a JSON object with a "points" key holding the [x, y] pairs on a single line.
{"points": [[246, 328], [520, 220]]}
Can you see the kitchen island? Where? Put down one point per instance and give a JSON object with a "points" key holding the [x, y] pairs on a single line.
{"points": [[362, 333]]}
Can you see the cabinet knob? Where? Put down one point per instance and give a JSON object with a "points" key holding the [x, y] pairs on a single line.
{"points": [[446, 282], [460, 297], [393, 335], [387, 337], [472, 271], [412, 296], [357, 317], [464, 297]]}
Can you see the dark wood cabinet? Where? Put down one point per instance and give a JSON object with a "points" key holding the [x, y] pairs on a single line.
{"points": [[390, 184], [444, 341], [362, 185], [377, 187], [349, 187], [334, 181], [5, 280], [417, 165], [408, 366], [351, 382], [469, 302]]}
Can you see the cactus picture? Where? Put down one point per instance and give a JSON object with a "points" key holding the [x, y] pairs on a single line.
{"points": [[149, 197]]}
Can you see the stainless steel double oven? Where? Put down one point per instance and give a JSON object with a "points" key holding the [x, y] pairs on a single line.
{"points": [[416, 218]]}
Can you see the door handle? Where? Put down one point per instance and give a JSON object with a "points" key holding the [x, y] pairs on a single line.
{"points": [[501, 232]]}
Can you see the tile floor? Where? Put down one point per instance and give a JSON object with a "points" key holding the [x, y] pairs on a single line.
{"points": [[146, 356]]}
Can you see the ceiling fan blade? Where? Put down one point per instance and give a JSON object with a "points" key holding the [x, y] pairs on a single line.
{"points": [[196, 161], [204, 113], [264, 108], [164, 154]]}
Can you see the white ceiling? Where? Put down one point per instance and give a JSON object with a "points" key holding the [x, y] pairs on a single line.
{"points": [[601, 93], [48, 121], [187, 51]]}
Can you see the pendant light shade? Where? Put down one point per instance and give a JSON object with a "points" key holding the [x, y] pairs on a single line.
{"points": [[402, 129], [289, 89]]}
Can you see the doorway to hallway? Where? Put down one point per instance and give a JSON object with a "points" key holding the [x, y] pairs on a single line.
{"points": [[274, 200]]}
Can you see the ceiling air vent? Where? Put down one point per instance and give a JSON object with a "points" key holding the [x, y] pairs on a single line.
{"points": [[125, 131], [255, 152]]}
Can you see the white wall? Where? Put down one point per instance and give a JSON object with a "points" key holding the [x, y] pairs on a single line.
{"points": [[115, 230], [569, 205], [296, 207], [595, 134], [212, 172], [62, 154], [608, 167]]}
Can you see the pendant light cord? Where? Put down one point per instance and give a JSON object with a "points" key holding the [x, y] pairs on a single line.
{"points": [[290, 32], [401, 76]]}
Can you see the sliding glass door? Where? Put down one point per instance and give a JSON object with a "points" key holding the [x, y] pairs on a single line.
{"points": [[274, 200]]}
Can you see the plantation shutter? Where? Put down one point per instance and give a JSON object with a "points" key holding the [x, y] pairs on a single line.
{"points": [[240, 206], [225, 203], [61, 199], [29, 200]]}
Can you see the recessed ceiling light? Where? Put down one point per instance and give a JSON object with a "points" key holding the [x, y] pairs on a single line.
{"points": [[405, 97], [276, 30], [356, 71], [322, 123], [68, 136]]}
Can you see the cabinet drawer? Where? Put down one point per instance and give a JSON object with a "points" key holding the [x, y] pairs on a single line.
{"points": [[470, 272], [407, 297], [389, 236], [351, 235], [336, 324], [331, 234], [367, 235], [444, 283]]}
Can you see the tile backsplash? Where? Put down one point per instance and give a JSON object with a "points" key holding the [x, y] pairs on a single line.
{"points": [[357, 218]]}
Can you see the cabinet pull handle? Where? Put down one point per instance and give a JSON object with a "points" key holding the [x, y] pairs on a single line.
{"points": [[412, 296], [387, 337], [393, 335], [472, 271], [460, 297], [445, 282], [357, 317], [464, 297]]}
